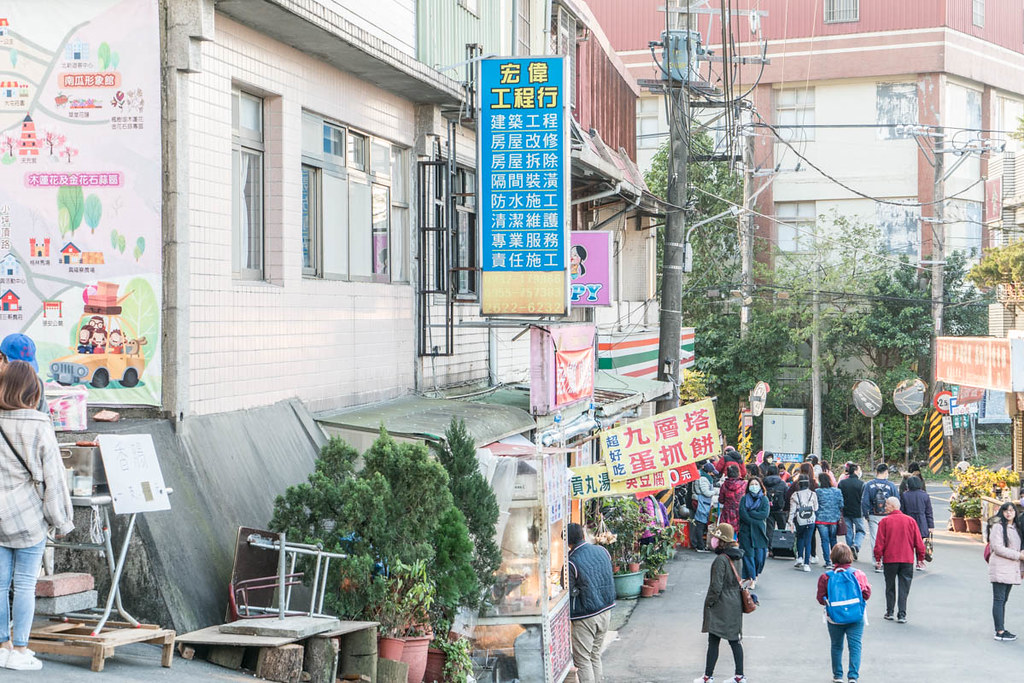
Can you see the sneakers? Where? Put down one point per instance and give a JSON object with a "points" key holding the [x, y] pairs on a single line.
{"points": [[807, 568], [814, 560], [739, 679], [829, 566], [753, 584], [838, 680], [888, 616], [798, 564], [23, 661], [703, 550], [1005, 635], [901, 620], [855, 550], [704, 679], [6, 652]]}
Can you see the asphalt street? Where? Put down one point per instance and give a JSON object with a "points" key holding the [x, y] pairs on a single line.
{"points": [[948, 637]]}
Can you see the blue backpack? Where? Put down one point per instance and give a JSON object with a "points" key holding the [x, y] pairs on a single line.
{"points": [[844, 602]]}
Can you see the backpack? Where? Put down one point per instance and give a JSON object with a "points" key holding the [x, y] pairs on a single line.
{"points": [[844, 601], [804, 511], [879, 494], [777, 498]]}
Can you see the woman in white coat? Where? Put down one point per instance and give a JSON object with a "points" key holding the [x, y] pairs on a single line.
{"points": [[1004, 564]]}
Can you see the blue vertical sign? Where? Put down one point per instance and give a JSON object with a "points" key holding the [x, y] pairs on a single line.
{"points": [[523, 183]]}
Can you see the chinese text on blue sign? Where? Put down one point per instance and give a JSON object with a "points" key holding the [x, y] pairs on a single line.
{"points": [[523, 166]]}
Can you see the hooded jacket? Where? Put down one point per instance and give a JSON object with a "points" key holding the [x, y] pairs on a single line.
{"points": [[917, 504], [776, 489], [729, 498], [723, 607], [753, 513]]}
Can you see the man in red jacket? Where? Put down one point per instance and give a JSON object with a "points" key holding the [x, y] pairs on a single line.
{"points": [[897, 542]]}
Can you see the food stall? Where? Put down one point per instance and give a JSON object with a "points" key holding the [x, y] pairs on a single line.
{"points": [[524, 631]]}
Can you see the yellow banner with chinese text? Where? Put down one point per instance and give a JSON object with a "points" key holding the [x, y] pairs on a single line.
{"points": [[665, 441], [592, 481]]}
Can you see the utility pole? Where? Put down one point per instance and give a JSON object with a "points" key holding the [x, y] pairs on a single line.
{"points": [[816, 355], [746, 230], [938, 240], [673, 257]]}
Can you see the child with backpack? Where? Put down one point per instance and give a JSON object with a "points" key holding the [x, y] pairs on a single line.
{"points": [[803, 508], [844, 592]]}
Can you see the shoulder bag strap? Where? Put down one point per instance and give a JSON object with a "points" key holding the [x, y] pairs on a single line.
{"points": [[734, 572], [17, 455]]}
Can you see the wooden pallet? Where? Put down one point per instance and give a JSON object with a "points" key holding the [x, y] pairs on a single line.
{"points": [[74, 637]]}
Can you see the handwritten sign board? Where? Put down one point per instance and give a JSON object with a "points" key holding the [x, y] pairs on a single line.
{"points": [[133, 473], [664, 442]]}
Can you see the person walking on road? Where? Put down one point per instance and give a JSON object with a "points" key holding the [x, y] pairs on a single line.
{"points": [[912, 471], [917, 505], [723, 606], [732, 489], [897, 543], [830, 509], [872, 501], [704, 492], [852, 486], [754, 511], [1004, 564], [844, 591], [592, 596], [803, 507], [775, 488], [34, 495]]}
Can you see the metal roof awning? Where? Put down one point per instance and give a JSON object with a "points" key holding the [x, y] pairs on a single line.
{"points": [[614, 393], [595, 165], [418, 417], [325, 34]]}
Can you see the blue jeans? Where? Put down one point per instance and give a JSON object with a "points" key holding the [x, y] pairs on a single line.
{"points": [[853, 633], [753, 562], [804, 534], [855, 531], [828, 539], [21, 564]]}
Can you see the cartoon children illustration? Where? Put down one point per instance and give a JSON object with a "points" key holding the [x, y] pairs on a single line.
{"points": [[117, 340], [99, 340], [577, 261], [84, 335]]}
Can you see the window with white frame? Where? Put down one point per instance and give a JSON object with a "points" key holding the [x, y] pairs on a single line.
{"points": [[895, 104], [978, 13], [795, 227], [839, 11], [564, 37], [648, 122], [471, 5], [355, 204], [523, 27], [247, 239], [794, 114]]}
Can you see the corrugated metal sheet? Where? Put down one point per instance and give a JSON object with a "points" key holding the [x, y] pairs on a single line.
{"points": [[629, 24], [1003, 23], [444, 27], [604, 100]]}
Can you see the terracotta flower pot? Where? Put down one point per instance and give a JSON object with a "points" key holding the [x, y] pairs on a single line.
{"points": [[662, 582], [648, 591], [390, 648], [633, 567], [973, 525], [959, 524], [415, 655], [435, 666]]}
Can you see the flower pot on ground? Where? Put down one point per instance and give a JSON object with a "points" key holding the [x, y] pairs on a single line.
{"points": [[415, 655], [632, 567], [449, 660], [390, 648], [973, 525], [959, 524], [648, 591], [662, 582], [435, 666], [627, 586]]}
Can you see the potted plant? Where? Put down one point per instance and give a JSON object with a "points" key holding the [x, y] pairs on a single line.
{"points": [[449, 661], [972, 513], [956, 508], [623, 519], [414, 595]]}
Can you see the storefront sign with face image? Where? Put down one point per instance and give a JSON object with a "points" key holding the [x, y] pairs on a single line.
{"points": [[590, 268]]}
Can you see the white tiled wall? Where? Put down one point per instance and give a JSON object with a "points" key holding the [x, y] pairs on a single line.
{"points": [[332, 344]]}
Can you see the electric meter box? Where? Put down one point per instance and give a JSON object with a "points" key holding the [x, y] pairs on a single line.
{"points": [[785, 433]]}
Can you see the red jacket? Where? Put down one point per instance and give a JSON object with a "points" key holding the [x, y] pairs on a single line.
{"points": [[721, 464], [898, 538]]}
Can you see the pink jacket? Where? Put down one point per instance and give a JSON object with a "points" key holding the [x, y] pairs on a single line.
{"points": [[1004, 565]]}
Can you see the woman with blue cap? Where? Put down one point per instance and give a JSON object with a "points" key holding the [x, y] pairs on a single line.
{"points": [[21, 347]]}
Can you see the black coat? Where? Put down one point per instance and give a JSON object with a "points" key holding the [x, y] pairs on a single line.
{"points": [[723, 606], [852, 488], [591, 585]]}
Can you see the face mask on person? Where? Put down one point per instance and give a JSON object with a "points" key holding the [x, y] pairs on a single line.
{"points": [[714, 542], [755, 489]]}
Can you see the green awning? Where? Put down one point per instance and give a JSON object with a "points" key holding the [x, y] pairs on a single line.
{"points": [[418, 417]]}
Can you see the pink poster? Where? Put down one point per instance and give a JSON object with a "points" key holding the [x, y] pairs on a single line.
{"points": [[590, 268]]}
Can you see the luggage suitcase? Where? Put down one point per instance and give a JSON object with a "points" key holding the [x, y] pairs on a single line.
{"points": [[783, 544]]}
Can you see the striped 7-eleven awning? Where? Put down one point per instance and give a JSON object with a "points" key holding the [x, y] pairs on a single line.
{"points": [[636, 353]]}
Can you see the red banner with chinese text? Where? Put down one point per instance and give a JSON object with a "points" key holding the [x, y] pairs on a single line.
{"points": [[666, 441], [574, 375]]}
